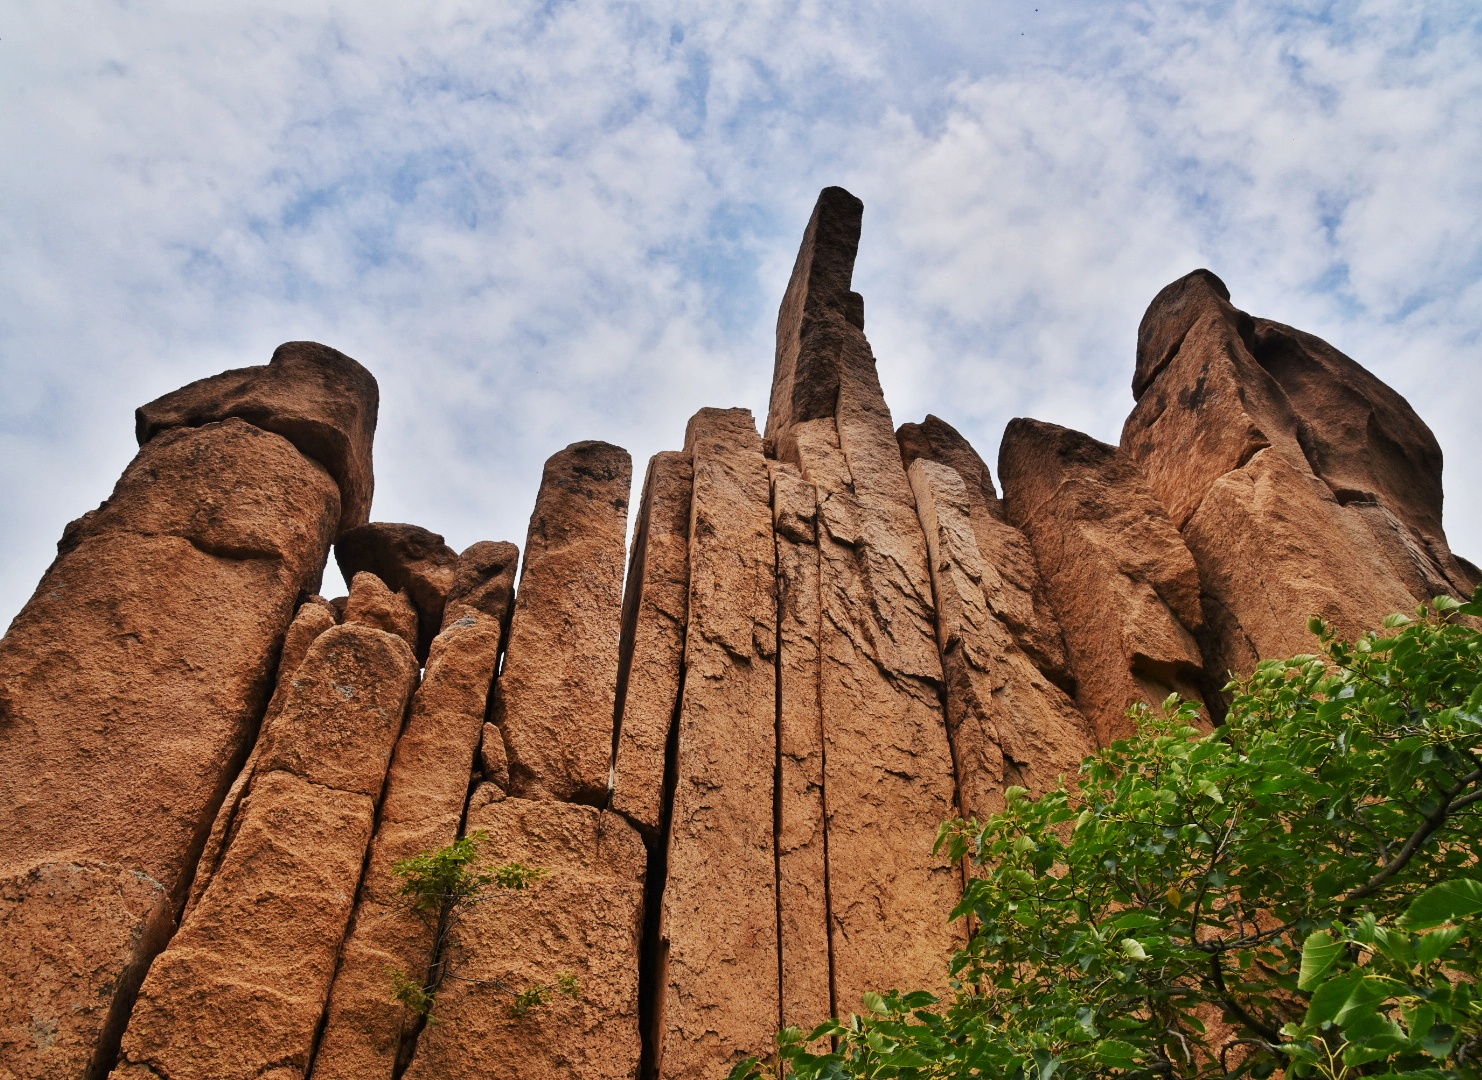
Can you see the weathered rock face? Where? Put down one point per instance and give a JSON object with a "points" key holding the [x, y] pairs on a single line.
{"points": [[1011, 583], [1009, 724], [146, 652], [720, 903], [887, 762], [655, 607], [366, 1032], [831, 640], [1300, 484], [1124, 584], [242, 986], [318, 399], [583, 919], [409, 559], [557, 694]]}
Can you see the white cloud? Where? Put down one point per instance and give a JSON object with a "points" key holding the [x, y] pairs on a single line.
{"points": [[538, 223]]}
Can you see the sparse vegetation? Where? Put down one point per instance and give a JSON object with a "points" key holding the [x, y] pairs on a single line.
{"points": [[1296, 894]]}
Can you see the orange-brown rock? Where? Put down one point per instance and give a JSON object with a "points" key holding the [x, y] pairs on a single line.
{"points": [[410, 560], [651, 663], [372, 603], [1237, 453], [557, 692], [131, 685], [311, 620], [484, 580], [426, 788], [318, 399], [1124, 585], [888, 765], [583, 919], [1009, 724], [1011, 582], [720, 902], [241, 988], [802, 870]]}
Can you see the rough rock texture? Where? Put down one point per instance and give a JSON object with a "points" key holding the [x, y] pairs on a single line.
{"points": [[311, 620], [802, 871], [720, 903], [1300, 484], [888, 766], [1011, 581], [372, 604], [423, 809], [318, 399], [242, 985], [584, 919], [484, 581], [556, 696], [655, 606], [147, 651], [1124, 585], [409, 559], [1009, 724]]}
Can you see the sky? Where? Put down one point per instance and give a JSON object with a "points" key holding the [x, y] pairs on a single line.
{"points": [[538, 223]]}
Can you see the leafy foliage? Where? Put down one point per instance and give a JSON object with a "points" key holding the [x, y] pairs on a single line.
{"points": [[440, 887], [1296, 893]]}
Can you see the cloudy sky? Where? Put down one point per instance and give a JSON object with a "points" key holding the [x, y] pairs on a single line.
{"points": [[544, 222]]}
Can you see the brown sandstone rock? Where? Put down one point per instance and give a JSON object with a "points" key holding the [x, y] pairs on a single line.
{"points": [[130, 687], [584, 918], [318, 399], [425, 791], [888, 766], [1123, 582], [720, 902], [410, 560], [372, 603], [652, 656], [492, 763], [556, 695], [802, 870], [1009, 724], [311, 620], [242, 985], [484, 580], [1236, 452], [1011, 581]]}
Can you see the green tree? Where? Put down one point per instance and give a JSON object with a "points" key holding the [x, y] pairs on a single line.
{"points": [[1295, 894]]}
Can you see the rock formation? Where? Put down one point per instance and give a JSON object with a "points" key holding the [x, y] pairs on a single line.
{"points": [[834, 635]]}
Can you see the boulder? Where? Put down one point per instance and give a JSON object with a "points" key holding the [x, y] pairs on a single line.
{"points": [[410, 560], [484, 581], [318, 399], [372, 603]]}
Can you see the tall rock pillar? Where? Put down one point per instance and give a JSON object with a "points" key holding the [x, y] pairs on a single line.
{"points": [[133, 681], [887, 762]]}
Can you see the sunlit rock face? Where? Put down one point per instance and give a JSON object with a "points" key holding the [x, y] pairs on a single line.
{"points": [[728, 741]]}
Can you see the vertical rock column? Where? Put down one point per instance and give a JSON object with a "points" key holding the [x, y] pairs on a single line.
{"points": [[802, 864], [655, 608], [720, 908], [134, 680], [1010, 725], [557, 693], [1123, 583], [888, 775], [1277, 458], [366, 1031], [555, 706], [240, 990]]}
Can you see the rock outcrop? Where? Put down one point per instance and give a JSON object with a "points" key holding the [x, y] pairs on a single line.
{"points": [[727, 773], [557, 695], [1124, 584]]}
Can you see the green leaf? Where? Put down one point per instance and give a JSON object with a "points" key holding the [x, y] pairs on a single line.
{"points": [[1116, 1053], [1450, 900], [1435, 943], [875, 1003], [1319, 953]]}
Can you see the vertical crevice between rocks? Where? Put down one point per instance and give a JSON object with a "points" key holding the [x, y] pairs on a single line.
{"points": [[828, 899], [777, 764], [653, 953]]}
